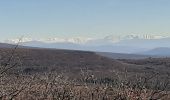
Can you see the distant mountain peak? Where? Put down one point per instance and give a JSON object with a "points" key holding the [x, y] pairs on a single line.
{"points": [[145, 36], [83, 40], [14, 41], [76, 40]]}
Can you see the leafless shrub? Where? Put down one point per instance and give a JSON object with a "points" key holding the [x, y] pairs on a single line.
{"points": [[51, 85]]}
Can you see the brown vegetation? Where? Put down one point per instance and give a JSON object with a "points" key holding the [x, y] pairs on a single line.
{"points": [[42, 74]]}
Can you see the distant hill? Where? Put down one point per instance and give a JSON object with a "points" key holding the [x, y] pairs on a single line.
{"points": [[124, 56], [70, 46], [78, 65], [64, 45], [85, 47], [105, 45], [163, 51], [70, 62], [5, 45], [115, 44]]}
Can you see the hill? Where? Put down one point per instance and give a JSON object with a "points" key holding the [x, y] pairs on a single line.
{"points": [[11, 46], [69, 61], [162, 51], [69, 74], [124, 56], [61, 61], [5, 45]]}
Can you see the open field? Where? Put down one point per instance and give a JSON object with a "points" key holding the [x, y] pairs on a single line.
{"points": [[41, 74]]}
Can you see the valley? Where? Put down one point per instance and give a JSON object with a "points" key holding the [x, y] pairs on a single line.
{"points": [[62, 71]]}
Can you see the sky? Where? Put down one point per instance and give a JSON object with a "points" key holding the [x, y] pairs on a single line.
{"points": [[88, 18]]}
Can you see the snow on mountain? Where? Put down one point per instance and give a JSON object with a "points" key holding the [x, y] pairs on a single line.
{"points": [[14, 41], [117, 44], [145, 37], [76, 40], [84, 40]]}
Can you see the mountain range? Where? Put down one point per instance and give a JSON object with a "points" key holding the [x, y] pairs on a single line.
{"points": [[156, 53], [84, 40], [130, 44]]}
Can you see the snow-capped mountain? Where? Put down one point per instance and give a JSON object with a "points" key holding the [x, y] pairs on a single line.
{"points": [[117, 44], [146, 37], [76, 40], [83, 40], [14, 41]]}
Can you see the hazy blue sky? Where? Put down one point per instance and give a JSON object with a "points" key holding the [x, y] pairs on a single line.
{"points": [[49, 18]]}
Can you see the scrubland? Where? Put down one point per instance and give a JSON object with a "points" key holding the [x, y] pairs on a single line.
{"points": [[44, 74]]}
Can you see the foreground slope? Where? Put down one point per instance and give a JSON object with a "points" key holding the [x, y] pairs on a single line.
{"points": [[46, 74], [71, 62]]}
